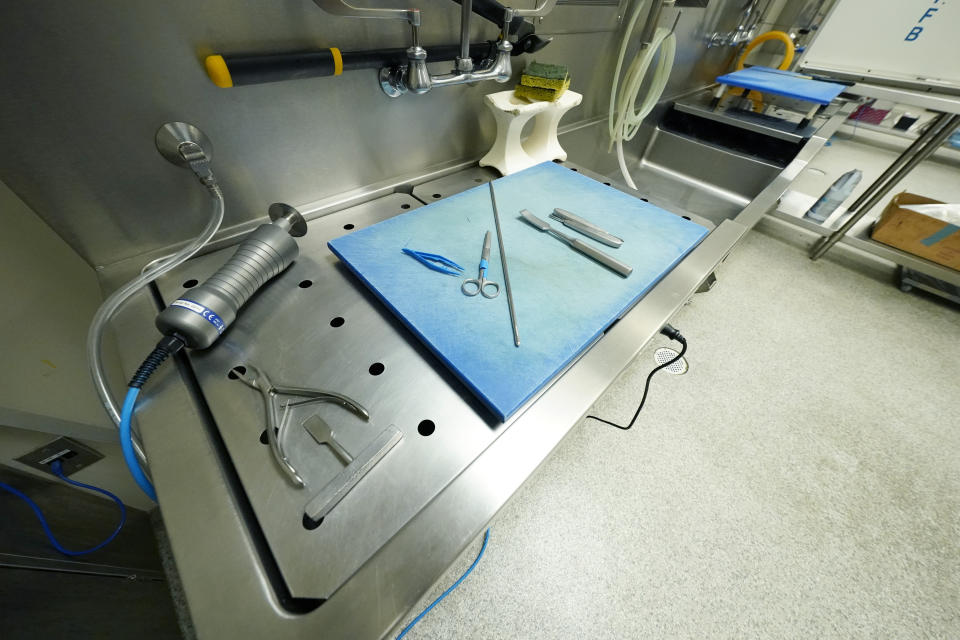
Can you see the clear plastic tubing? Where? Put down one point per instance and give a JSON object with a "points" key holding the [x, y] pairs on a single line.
{"points": [[624, 119], [121, 295]]}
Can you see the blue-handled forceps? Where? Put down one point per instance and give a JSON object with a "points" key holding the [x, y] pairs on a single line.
{"points": [[486, 288], [428, 260]]}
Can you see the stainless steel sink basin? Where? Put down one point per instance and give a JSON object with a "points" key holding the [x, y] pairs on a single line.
{"points": [[683, 174]]}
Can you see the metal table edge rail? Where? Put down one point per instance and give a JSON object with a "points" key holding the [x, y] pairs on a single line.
{"points": [[214, 549], [768, 199], [64, 565]]}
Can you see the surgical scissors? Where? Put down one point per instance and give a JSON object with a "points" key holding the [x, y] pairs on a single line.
{"points": [[480, 282], [256, 379]]}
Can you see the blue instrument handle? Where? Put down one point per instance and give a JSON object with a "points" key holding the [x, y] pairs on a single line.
{"points": [[428, 259], [480, 284]]}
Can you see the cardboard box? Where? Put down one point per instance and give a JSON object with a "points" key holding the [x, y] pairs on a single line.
{"points": [[915, 233]]}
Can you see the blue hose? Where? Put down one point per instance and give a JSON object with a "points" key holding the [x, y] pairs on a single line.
{"points": [[126, 444], [406, 629], [57, 469]]}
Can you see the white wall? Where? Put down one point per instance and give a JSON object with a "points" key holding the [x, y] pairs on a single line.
{"points": [[49, 295]]}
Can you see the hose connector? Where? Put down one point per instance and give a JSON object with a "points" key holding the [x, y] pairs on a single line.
{"points": [[199, 163], [186, 146], [167, 346]]}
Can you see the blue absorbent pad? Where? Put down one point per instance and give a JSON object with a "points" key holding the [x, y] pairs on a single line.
{"points": [[563, 299], [783, 83]]}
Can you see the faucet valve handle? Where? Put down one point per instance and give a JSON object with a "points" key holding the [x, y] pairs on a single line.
{"points": [[508, 15], [543, 8], [418, 76], [344, 8]]}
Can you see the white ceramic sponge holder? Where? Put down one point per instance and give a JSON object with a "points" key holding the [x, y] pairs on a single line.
{"points": [[508, 154]]}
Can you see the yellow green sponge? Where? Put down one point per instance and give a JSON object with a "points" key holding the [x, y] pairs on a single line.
{"points": [[541, 81], [541, 93]]}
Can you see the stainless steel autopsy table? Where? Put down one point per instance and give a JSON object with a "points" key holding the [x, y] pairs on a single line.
{"points": [[249, 566]]}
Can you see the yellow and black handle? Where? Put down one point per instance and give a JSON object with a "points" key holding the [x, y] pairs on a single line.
{"points": [[235, 70]]}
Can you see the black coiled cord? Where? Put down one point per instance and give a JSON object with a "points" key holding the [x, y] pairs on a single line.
{"points": [[673, 334]]}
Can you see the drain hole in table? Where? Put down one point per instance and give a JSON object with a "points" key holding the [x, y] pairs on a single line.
{"points": [[337, 322], [236, 372], [376, 368], [348, 226], [305, 284], [189, 284], [426, 427]]}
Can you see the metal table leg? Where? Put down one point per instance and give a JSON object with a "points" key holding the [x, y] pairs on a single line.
{"points": [[922, 147]]}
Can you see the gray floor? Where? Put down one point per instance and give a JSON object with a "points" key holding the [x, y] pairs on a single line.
{"points": [[801, 481]]}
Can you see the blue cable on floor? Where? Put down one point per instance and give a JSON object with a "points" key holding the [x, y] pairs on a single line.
{"points": [[126, 444], [57, 469], [406, 629]]}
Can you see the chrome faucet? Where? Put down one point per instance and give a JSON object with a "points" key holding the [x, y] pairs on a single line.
{"points": [[749, 21], [414, 76], [418, 79]]}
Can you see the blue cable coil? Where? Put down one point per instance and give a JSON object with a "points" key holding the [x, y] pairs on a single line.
{"points": [[57, 467], [406, 629]]}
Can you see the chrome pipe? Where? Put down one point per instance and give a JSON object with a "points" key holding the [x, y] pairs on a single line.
{"points": [[464, 61], [650, 26]]}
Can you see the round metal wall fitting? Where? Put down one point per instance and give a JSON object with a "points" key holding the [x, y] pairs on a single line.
{"points": [[173, 134], [298, 226], [664, 355], [391, 81]]}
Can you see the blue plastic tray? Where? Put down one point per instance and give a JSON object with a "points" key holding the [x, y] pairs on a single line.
{"points": [[783, 83]]}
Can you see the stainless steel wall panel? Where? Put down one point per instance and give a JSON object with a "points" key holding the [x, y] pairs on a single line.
{"points": [[87, 84]]}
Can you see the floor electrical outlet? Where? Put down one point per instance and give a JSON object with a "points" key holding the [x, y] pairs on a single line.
{"points": [[72, 455]]}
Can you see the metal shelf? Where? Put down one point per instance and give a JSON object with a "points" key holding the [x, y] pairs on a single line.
{"points": [[854, 232], [860, 239], [803, 223]]}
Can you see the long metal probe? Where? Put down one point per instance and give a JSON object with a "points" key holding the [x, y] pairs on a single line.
{"points": [[503, 262]]}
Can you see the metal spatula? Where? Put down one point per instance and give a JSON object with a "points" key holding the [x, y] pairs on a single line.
{"points": [[606, 260]]}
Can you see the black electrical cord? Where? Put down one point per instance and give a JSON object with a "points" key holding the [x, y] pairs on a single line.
{"points": [[673, 334]]}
